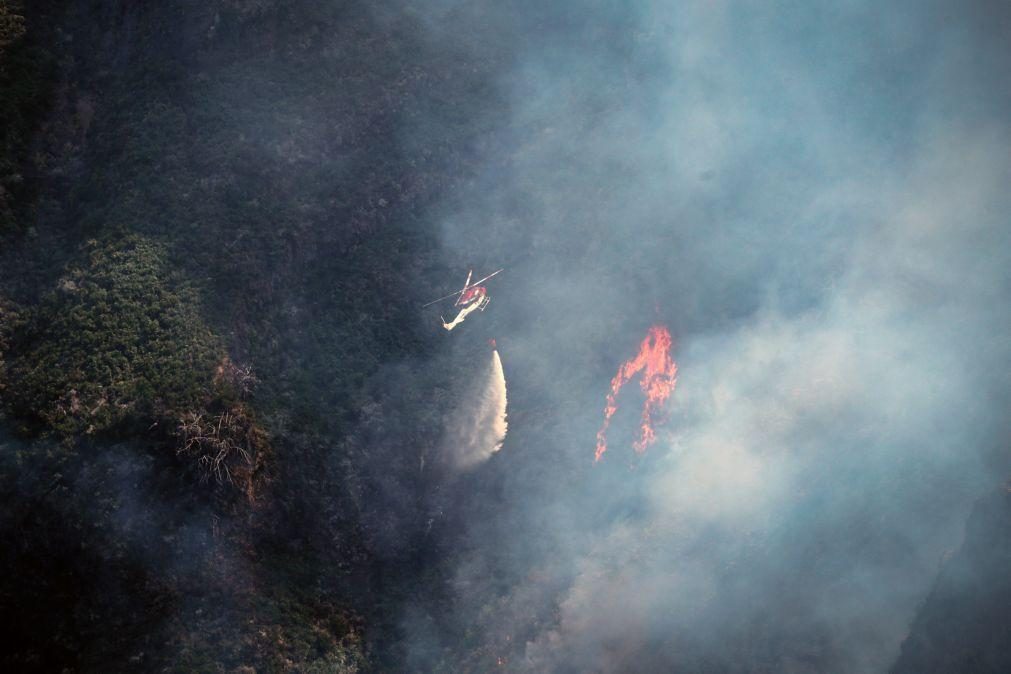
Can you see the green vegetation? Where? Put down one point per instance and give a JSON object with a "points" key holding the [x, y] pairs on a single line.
{"points": [[120, 340], [10, 320]]}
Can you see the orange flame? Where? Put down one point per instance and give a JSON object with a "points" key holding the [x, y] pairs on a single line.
{"points": [[659, 376]]}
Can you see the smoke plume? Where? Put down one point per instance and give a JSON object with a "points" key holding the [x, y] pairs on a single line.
{"points": [[812, 198]]}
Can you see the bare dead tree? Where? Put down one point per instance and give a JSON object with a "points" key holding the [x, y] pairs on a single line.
{"points": [[239, 377], [215, 441]]}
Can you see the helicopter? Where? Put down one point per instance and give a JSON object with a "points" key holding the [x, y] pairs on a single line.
{"points": [[472, 297]]}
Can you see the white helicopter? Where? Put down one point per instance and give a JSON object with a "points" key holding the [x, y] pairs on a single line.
{"points": [[472, 297]]}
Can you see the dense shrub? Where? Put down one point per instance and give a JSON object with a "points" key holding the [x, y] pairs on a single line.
{"points": [[120, 340], [10, 318]]}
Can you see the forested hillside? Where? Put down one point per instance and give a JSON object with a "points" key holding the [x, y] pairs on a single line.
{"points": [[211, 243], [228, 422]]}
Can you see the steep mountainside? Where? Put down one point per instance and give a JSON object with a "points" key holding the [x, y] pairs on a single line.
{"points": [[210, 242], [965, 623], [227, 422]]}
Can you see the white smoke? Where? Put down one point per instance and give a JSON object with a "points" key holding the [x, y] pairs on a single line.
{"points": [[479, 428]]}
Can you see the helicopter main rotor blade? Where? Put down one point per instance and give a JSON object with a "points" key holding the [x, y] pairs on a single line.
{"points": [[442, 298], [487, 277], [469, 285]]}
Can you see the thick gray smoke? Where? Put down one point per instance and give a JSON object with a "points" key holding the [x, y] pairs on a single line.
{"points": [[479, 425], [814, 199]]}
